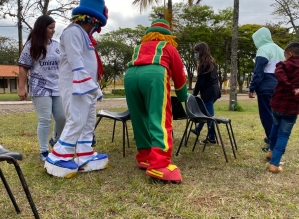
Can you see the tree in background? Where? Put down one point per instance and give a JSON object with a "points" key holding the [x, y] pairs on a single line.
{"points": [[288, 10], [8, 51], [26, 12], [201, 24], [116, 49], [167, 13]]}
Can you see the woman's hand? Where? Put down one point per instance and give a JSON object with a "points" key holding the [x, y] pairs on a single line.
{"points": [[22, 94]]}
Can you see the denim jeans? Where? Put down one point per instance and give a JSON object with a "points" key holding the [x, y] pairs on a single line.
{"points": [[280, 133], [44, 108], [210, 107]]}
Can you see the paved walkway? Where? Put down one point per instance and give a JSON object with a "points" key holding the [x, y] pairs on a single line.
{"points": [[223, 97]]}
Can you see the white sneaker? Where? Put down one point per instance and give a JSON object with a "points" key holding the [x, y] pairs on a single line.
{"points": [[61, 168], [98, 162]]}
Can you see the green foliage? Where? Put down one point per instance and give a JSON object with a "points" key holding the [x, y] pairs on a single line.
{"points": [[238, 107], [120, 92], [8, 51]]}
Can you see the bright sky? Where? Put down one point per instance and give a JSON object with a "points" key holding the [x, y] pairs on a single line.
{"points": [[123, 14]]}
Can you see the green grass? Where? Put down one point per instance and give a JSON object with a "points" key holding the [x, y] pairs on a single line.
{"points": [[211, 188], [9, 97]]}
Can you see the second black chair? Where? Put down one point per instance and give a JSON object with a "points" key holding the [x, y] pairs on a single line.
{"points": [[116, 116], [226, 121], [195, 115]]}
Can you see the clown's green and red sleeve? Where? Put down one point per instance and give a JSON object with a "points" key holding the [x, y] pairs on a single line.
{"points": [[162, 53]]}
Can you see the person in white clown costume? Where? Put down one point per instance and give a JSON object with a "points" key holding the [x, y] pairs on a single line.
{"points": [[79, 71]]}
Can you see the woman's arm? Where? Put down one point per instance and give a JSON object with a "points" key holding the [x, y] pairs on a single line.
{"points": [[23, 72]]}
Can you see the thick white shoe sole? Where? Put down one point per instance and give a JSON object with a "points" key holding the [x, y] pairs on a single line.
{"points": [[60, 171], [94, 165]]}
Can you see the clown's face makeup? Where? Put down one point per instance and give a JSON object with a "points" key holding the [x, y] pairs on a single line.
{"points": [[95, 29]]}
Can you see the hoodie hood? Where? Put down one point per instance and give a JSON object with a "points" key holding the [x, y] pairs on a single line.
{"points": [[261, 37]]}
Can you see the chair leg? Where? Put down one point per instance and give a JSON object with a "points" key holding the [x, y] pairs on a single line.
{"points": [[187, 137], [127, 133], [207, 137], [206, 141], [25, 187], [12, 198], [231, 128], [231, 141], [124, 139], [183, 137], [100, 118], [113, 130], [23, 182], [221, 141]]}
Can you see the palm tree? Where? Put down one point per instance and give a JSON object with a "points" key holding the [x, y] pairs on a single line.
{"points": [[144, 4], [190, 2]]}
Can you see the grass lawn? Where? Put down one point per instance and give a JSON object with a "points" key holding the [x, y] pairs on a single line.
{"points": [[211, 188]]}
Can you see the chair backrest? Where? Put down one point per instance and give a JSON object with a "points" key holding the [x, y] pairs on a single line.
{"points": [[202, 106], [178, 111], [193, 110]]}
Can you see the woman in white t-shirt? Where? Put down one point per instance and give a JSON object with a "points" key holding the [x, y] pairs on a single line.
{"points": [[39, 62]]}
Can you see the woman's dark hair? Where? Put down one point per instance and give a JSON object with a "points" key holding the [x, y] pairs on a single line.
{"points": [[293, 47], [206, 60], [38, 36]]}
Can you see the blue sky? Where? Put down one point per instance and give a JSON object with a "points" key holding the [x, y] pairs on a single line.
{"points": [[122, 14]]}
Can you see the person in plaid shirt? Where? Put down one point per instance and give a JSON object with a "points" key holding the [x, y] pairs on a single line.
{"points": [[284, 104]]}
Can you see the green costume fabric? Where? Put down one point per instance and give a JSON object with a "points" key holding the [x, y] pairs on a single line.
{"points": [[148, 91]]}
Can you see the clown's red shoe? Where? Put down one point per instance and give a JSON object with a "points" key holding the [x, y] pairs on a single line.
{"points": [[143, 165], [170, 173]]}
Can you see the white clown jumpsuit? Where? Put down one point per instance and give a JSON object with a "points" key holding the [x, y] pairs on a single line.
{"points": [[79, 91]]}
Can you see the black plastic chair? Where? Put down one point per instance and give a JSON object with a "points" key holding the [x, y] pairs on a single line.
{"points": [[196, 115], [225, 121], [179, 113], [116, 116], [11, 158]]}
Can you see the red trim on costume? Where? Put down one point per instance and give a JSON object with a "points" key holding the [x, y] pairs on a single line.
{"points": [[85, 154], [62, 155], [100, 64], [158, 24], [81, 81]]}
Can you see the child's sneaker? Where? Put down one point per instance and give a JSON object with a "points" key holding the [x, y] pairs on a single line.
{"points": [[61, 168], [275, 169], [209, 141], [98, 162], [43, 156]]}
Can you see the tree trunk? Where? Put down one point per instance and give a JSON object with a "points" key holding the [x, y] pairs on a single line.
{"points": [[234, 58], [169, 7], [20, 35]]}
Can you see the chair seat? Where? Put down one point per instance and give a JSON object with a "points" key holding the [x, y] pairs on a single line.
{"points": [[6, 152], [116, 116], [222, 120], [120, 116]]}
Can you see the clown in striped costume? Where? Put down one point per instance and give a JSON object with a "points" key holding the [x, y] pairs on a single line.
{"points": [[147, 83], [80, 69]]}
